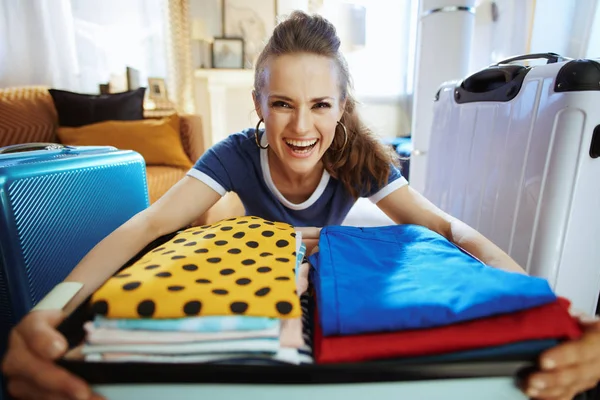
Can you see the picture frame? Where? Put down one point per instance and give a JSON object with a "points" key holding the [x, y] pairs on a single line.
{"points": [[157, 89], [228, 53], [252, 20], [104, 88]]}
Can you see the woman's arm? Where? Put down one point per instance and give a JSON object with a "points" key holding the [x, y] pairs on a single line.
{"points": [[407, 206], [177, 208]]}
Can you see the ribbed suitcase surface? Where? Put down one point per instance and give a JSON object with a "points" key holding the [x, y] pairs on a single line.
{"points": [[55, 205]]}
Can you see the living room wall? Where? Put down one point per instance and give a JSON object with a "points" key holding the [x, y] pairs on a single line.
{"points": [[377, 40]]}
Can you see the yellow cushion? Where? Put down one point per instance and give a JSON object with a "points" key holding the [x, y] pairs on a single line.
{"points": [[239, 266], [157, 140]]}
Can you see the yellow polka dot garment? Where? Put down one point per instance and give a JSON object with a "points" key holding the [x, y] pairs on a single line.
{"points": [[240, 266]]}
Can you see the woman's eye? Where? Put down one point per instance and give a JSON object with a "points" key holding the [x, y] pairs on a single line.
{"points": [[280, 104], [322, 105]]}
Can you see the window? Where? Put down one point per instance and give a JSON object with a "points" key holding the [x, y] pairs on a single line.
{"points": [[113, 34], [380, 57]]}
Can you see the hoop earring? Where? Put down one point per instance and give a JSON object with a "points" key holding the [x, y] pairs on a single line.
{"points": [[345, 135], [257, 138]]}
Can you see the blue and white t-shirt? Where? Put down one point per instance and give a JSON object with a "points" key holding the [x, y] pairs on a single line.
{"points": [[237, 164]]}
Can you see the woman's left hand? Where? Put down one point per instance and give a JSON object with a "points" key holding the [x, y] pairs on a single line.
{"points": [[568, 369]]}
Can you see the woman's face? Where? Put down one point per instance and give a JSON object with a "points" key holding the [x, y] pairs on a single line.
{"points": [[300, 104]]}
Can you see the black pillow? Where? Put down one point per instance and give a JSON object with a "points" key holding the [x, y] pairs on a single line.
{"points": [[76, 109]]}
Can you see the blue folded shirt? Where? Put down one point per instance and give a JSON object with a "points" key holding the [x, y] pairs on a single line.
{"points": [[402, 277]]}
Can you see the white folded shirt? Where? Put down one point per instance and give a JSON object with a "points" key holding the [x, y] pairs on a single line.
{"points": [[98, 336], [263, 345]]}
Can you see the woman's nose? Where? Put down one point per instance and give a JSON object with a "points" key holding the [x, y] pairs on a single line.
{"points": [[302, 120]]}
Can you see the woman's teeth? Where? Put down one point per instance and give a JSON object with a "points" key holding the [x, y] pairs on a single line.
{"points": [[301, 146]]}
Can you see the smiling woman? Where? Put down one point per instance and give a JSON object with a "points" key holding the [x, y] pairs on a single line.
{"points": [[301, 105], [302, 92], [307, 168], [315, 156]]}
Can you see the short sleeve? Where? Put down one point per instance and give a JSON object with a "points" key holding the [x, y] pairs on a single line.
{"points": [[211, 170], [395, 182]]}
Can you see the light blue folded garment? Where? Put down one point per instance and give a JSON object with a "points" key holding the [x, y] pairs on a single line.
{"points": [[299, 257], [191, 324]]}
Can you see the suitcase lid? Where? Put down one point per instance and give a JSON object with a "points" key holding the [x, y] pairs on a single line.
{"points": [[26, 153]]}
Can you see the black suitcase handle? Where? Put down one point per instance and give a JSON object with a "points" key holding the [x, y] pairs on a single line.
{"points": [[501, 81], [488, 79], [495, 83], [22, 147], [551, 57]]}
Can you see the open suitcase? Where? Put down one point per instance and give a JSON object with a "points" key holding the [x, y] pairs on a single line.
{"points": [[514, 154], [489, 377], [492, 379], [56, 203]]}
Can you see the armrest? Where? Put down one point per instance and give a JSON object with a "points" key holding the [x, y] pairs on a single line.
{"points": [[192, 136]]}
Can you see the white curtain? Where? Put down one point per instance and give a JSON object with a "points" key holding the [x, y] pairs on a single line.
{"points": [[113, 34], [78, 44], [37, 44]]}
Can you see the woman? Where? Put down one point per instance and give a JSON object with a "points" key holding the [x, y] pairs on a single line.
{"points": [[313, 160]]}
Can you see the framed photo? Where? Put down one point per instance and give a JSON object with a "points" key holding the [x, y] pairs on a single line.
{"points": [[157, 90], [104, 88], [228, 53], [252, 20]]}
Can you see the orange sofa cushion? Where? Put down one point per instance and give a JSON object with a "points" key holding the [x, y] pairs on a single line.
{"points": [[157, 140]]}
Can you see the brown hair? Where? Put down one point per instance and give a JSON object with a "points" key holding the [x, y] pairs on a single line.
{"points": [[364, 160]]}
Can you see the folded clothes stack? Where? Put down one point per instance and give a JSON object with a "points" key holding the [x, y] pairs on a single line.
{"points": [[406, 294], [223, 293]]}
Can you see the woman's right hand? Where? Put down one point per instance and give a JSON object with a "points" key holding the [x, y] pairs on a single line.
{"points": [[29, 365]]}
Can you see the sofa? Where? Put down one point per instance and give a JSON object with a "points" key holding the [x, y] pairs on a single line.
{"points": [[27, 114]]}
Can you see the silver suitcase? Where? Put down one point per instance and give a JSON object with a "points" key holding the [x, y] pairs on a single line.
{"points": [[514, 154]]}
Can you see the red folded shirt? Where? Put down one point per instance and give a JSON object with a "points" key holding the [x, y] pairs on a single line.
{"points": [[550, 321]]}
